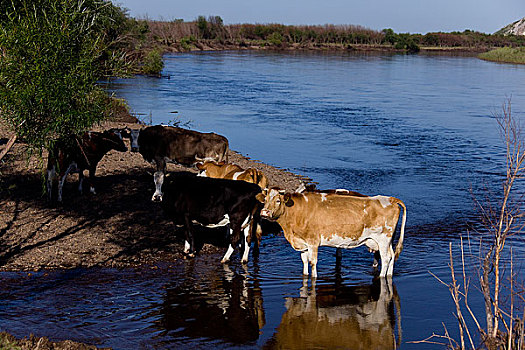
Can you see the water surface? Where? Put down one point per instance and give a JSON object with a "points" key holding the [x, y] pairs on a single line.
{"points": [[417, 127]]}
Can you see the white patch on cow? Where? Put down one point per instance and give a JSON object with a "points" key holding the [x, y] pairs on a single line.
{"points": [[186, 247], [237, 174], [224, 221], [339, 242], [384, 200], [341, 190], [301, 188], [273, 193], [323, 197], [203, 174], [305, 198], [389, 228]]}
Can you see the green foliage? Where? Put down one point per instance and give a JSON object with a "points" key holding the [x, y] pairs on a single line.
{"points": [[505, 54], [275, 39], [153, 64], [51, 60]]}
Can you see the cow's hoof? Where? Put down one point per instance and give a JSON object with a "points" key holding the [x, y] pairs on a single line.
{"points": [[156, 198], [225, 261], [244, 261]]}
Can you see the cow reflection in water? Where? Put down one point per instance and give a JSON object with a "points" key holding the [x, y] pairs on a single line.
{"points": [[341, 317], [229, 308]]}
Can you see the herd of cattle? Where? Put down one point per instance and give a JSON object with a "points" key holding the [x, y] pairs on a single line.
{"points": [[224, 194]]}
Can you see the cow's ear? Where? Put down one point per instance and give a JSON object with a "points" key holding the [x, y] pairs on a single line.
{"points": [[221, 163], [200, 165], [288, 201], [260, 197]]}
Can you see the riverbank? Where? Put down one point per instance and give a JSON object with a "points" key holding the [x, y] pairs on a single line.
{"points": [[117, 227]]}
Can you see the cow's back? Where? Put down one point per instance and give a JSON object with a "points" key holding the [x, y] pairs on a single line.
{"points": [[180, 145], [186, 192], [332, 214]]}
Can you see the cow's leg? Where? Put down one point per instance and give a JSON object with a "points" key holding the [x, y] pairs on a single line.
{"points": [[92, 180], [229, 252], [248, 224], [51, 174], [304, 258], [158, 178], [71, 166], [80, 181], [189, 244], [377, 256], [387, 259], [235, 237], [312, 257], [186, 247]]}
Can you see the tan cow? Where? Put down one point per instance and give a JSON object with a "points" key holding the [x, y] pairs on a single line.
{"points": [[313, 219], [233, 172]]}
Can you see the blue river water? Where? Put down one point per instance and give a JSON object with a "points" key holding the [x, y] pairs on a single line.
{"points": [[421, 128]]}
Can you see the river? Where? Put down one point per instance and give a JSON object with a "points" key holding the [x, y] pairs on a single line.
{"points": [[417, 127]]}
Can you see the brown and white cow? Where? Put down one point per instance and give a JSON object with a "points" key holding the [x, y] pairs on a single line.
{"points": [[78, 153], [224, 170], [160, 143], [311, 219]]}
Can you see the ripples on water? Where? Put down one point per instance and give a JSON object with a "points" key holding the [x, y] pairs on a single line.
{"points": [[416, 127]]}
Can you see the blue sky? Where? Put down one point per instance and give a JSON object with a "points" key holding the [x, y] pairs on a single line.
{"points": [[414, 16]]}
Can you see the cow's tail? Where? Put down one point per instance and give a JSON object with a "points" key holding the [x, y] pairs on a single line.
{"points": [[399, 246]]}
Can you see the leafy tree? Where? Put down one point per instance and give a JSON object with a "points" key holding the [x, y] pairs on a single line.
{"points": [[50, 59], [390, 36]]}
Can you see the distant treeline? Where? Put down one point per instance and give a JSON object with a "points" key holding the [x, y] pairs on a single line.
{"points": [[211, 31]]}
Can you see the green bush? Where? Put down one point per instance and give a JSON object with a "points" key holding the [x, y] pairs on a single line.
{"points": [[275, 39], [152, 64], [187, 42]]}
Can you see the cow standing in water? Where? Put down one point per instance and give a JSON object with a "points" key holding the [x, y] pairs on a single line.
{"points": [[190, 199], [159, 144], [78, 153], [311, 219]]}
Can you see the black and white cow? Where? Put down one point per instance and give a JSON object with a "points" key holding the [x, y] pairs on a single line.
{"points": [[190, 199], [160, 143], [78, 153]]}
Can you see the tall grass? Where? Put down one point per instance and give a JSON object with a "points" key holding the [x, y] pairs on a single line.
{"points": [[505, 54]]}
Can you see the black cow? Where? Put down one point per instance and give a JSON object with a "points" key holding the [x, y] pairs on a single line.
{"points": [[77, 153], [190, 199], [160, 143]]}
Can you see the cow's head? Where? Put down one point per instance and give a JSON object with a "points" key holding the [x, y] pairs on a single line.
{"points": [[114, 138], [275, 203], [210, 165], [134, 137]]}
